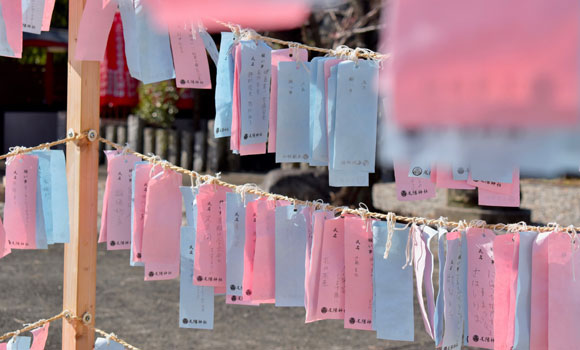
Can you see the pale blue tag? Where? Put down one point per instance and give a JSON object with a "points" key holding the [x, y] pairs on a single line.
{"points": [[104, 344], [523, 294], [290, 244], [127, 10], [255, 91], [5, 49], [356, 95], [209, 44], [196, 304], [460, 172], [292, 145], [453, 295], [19, 343], [439, 303], [394, 317], [59, 197], [465, 296], [318, 126], [420, 170], [188, 193], [224, 87], [339, 178], [487, 171], [43, 201], [131, 261]]}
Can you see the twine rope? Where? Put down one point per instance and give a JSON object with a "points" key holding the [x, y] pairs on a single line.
{"points": [[16, 150]]}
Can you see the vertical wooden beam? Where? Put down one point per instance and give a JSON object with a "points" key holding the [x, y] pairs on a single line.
{"points": [[80, 255]]}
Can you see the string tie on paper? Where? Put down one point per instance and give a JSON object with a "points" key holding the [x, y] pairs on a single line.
{"points": [[409, 247]]}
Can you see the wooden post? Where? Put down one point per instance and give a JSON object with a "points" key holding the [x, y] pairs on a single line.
{"points": [[80, 255]]}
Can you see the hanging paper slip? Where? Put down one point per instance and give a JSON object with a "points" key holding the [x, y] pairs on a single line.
{"points": [[32, 13], [563, 290], [250, 248], [393, 285], [5, 49], [423, 264], [47, 14], [495, 187], [224, 86], [292, 117], [59, 197], [358, 266], [356, 95], [318, 128], [278, 56], [524, 288], [312, 284], [20, 207], [94, 28], [511, 199], [420, 169], [161, 226], [409, 189], [505, 253], [460, 172], [235, 241], [465, 280], [444, 179], [191, 65], [438, 319], [210, 243], [454, 292], [264, 280], [118, 193], [254, 91], [331, 284], [196, 303], [12, 15], [489, 171], [480, 286], [39, 337], [290, 244], [107, 344], [43, 217], [4, 245], [539, 293], [209, 44], [19, 343]]}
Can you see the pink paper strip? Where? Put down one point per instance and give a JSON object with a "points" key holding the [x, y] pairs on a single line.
{"points": [[104, 212], [506, 253], [236, 114], [20, 198], [143, 174], [358, 266], [539, 293], [496, 187], [161, 227], [264, 278], [12, 12], [118, 191], [312, 284], [209, 268], [331, 284], [40, 335], [563, 291], [284, 55], [250, 247], [410, 189], [189, 57], [94, 29], [511, 199], [444, 179], [480, 286], [4, 246], [47, 14]]}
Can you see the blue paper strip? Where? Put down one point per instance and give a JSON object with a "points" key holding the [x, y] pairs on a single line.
{"points": [[210, 45], [394, 317], [439, 302], [107, 344], [463, 269], [454, 296], [5, 49], [188, 193], [59, 197], [19, 343], [43, 201], [235, 242], [318, 126], [523, 294], [290, 248], [224, 87]]}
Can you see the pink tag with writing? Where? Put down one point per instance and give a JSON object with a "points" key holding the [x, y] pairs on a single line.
{"points": [[307, 211], [511, 199], [240, 300], [162, 227], [480, 285], [411, 188], [422, 262], [496, 187], [118, 191], [94, 29], [312, 284], [40, 335], [264, 277], [143, 174], [12, 13], [20, 199], [104, 212], [4, 246], [358, 267], [284, 55], [563, 291], [47, 14], [331, 283], [444, 179], [209, 267], [189, 57], [539, 293], [506, 255]]}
